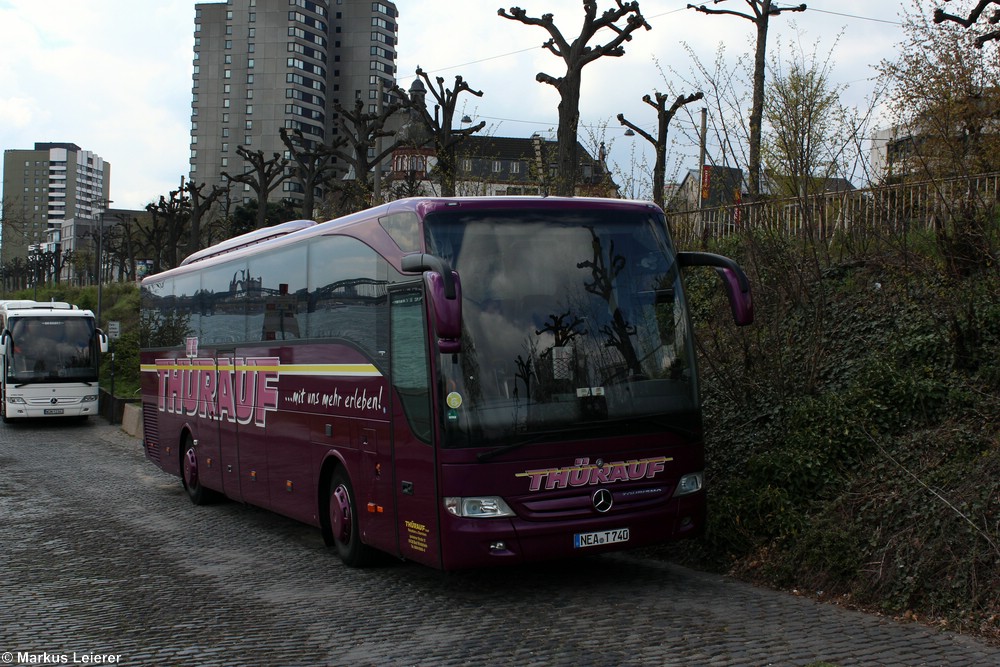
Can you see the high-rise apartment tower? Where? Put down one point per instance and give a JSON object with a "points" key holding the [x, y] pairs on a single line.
{"points": [[263, 65], [53, 194]]}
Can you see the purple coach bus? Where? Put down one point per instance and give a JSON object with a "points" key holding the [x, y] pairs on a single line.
{"points": [[457, 382]]}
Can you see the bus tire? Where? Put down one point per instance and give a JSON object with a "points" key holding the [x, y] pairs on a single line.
{"points": [[343, 521], [198, 494]]}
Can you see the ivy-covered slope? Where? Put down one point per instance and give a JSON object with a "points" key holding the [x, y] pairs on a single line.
{"points": [[853, 431]]}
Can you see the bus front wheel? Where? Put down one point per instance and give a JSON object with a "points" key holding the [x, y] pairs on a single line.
{"points": [[343, 518]]}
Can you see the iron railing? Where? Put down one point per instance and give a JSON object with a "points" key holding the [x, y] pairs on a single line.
{"points": [[887, 208]]}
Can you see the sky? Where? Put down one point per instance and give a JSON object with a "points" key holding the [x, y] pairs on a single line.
{"points": [[114, 76]]}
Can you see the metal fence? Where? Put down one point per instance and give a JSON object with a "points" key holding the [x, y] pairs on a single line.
{"points": [[887, 209]]}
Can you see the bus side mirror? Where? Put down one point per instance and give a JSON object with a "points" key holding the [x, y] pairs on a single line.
{"points": [[102, 340], [734, 280], [444, 292], [4, 341], [447, 313]]}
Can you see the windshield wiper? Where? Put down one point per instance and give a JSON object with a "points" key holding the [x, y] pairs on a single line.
{"points": [[509, 447]]}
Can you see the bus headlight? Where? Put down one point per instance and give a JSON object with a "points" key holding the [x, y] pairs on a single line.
{"points": [[92, 397], [689, 484], [484, 507], [15, 399]]}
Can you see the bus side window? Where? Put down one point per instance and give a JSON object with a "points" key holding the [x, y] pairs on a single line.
{"points": [[410, 376]]}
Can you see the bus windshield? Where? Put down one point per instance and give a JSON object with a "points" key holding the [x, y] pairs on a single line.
{"points": [[52, 349], [573, 325]]}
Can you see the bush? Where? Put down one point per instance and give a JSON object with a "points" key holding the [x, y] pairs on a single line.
{"points": [[853, 443]]}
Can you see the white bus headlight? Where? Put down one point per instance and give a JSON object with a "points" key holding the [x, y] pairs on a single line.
{"points": [[485, 507], [689, 484], [92, 397], [16, 399]]}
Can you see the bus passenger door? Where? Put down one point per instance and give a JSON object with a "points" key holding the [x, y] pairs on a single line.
{"points": [[229, 437], [414, 462]]}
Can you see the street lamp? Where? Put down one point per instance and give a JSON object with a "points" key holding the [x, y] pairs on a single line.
{"points": [[102, 204]]}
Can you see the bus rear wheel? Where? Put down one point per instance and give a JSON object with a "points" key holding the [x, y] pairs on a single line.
{"points": [[343, 521], [198, 494]]}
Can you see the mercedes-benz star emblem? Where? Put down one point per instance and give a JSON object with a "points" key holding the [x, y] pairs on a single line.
{"points": [[603, 500], [54, 401]]}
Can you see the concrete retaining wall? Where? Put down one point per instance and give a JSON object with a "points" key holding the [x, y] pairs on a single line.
{"points": [[132, 419]]}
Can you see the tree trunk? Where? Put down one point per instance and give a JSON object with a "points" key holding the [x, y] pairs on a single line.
{"points": [[757, 111], [567, 159]]}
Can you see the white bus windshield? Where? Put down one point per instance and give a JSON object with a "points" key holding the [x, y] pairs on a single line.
{"points": [[51, 349], [572, 320]]}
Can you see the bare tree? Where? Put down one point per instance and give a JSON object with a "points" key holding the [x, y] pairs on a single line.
{"points": [[664, 116], [446, 137], [162, 236], [576, 55], [940, 16], [263, 176], [760, 15], [360, 131], [200, 205], [314, 165]]}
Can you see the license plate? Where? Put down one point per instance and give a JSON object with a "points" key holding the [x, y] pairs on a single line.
{"points": [[600, 537], [53, 411]]}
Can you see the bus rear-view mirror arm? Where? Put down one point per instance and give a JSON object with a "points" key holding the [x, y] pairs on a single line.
{"points": [[444, 291], [733, 278]]}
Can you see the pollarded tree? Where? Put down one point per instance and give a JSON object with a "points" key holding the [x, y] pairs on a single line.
{"points": [[201, 203], [360, 132], [663, 116], [446, 137], [760, 15], [972, 19], [263, 176], [314, 165], [576, 55], [169, 218]]}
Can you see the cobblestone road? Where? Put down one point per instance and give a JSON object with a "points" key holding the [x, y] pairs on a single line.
{"points": [[103, 558]]}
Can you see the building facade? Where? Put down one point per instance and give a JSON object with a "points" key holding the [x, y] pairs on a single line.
{"points": [[53, 198], [264, 65], [499, 166]]}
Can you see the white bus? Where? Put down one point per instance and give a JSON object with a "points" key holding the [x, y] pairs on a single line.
{"points": [[50, 357]]}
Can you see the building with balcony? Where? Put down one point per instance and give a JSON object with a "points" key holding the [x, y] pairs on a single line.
{"points": [[53, 195]]}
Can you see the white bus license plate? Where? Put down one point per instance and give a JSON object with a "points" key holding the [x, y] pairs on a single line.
{"points": [[600, 537], [54, 411]]}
